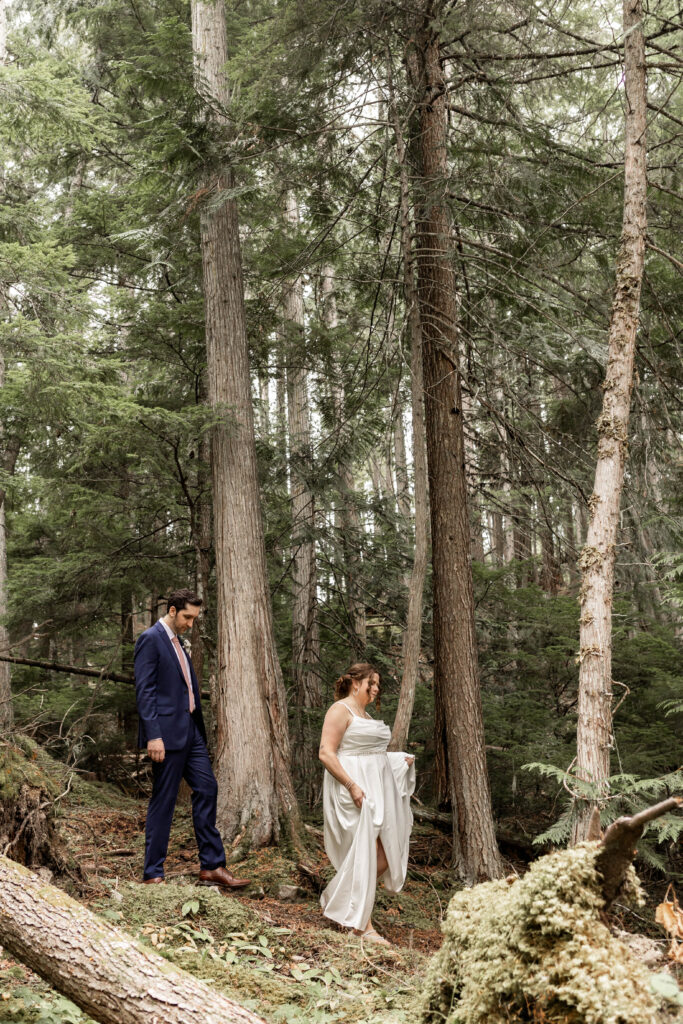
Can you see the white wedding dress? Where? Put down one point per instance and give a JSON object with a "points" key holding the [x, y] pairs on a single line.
{"points": [[351, 833]]}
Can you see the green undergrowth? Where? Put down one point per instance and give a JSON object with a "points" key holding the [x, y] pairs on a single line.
{"points": [[284, 974]]}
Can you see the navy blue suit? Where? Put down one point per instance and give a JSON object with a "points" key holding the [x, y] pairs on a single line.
{"points": [[163, 706]]}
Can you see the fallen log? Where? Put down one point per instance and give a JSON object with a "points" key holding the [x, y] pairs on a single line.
{"points": [[444, 822], [106, 973], [538, 948], [76, 670]]}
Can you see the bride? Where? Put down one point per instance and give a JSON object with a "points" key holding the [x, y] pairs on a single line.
{"points": [[366, 804]]}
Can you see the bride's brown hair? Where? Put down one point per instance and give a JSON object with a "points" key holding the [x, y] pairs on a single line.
{"points": [[355, 674]]}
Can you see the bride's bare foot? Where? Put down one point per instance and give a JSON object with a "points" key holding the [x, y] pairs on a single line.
{"points": [[372, 936]]}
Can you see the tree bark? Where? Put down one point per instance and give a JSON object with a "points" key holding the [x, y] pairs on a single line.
{"points": [[108, 975], [400, 462], [255, 789], [412, 636], [456, 676], [472, 475], [594, 731], [202, 537], [6, 709]]}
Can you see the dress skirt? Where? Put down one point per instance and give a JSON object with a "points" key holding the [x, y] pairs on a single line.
{"points": [[351, 833]]}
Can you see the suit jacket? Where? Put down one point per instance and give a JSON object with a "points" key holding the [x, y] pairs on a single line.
{"points": [[161, 691]]}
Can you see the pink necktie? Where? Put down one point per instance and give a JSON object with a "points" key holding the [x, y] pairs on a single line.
{"points": [[183, 664]]}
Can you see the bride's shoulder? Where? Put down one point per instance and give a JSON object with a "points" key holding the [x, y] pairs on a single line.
{"points": [[339, 709]]}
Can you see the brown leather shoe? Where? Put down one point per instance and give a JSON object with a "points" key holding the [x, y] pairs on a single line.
{"points": [[153, 881], [221, 876]]}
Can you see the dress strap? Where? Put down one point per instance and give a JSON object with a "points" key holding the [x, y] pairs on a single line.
{"points": [[349, 709], [353, 713]]}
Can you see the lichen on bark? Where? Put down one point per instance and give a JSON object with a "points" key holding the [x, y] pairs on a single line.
{"points": [[537, 949]]}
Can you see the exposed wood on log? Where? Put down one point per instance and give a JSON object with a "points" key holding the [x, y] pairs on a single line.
{"points": [[107, 974], [618, 845]]}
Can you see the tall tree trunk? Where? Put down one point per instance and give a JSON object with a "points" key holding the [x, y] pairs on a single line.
{"points": [[305, 647], [6, 710], [412, 636], [255, 788], [110, 976], [127, 637], [347, 519], [401, 463], [203, 544], [476, 534], [505, 533], [306, 678], [594, 731], [456, 674]]}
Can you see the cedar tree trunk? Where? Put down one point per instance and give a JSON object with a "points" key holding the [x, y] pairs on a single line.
{"points": [[252, 758], [456, 675]]}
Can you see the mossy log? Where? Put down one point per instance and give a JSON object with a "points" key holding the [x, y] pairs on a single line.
{"points": [[110, 976], [28, 833], [538, 948]]}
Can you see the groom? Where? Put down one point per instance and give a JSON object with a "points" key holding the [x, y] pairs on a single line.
{"points": [[172, 730]]}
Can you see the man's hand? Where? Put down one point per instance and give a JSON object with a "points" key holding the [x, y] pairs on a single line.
{"points": [[156, 749]]}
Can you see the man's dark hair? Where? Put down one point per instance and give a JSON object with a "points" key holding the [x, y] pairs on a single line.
{"points": [[180, 598]]}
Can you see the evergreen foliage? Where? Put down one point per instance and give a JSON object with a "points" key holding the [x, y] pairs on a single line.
{"points": [[104, 145]]}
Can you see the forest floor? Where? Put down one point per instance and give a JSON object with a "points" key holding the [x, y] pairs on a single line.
{"points": [[269, 947]]}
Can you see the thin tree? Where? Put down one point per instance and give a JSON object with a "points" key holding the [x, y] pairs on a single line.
{"points": [[594, 732], [412, 636], [347, 520], [252, 757], [304, 611]]}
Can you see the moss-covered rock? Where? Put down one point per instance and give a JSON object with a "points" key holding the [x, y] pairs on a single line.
{"points": [[537, 949]]}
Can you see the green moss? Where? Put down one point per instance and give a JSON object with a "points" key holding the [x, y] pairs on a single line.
{"points": [[23, 764], [537, 949], [163, 906]]}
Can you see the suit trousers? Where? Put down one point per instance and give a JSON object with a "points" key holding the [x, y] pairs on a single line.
{"points": [[192, 764]]}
